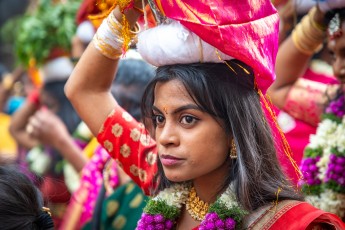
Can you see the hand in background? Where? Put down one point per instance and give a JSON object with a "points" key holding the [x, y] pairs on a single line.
{"points": [[47, 128]]}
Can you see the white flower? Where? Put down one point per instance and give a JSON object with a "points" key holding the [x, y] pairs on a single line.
{"points": [[175, 195], [39, 161], [229, 198]]}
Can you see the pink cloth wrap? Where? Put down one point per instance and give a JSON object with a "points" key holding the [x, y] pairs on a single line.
{"points": [[244, 29]]}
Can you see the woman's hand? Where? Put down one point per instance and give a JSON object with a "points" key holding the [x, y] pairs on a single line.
{"points": [[48, 128]]}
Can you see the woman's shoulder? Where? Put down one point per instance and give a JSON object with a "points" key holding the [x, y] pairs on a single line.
{"points": [[291, 214]]}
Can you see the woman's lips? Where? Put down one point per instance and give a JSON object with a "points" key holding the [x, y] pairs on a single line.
{"points": [[168, 160]]}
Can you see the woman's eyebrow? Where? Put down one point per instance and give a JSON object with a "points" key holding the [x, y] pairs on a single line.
{"points": [[179, 109]]}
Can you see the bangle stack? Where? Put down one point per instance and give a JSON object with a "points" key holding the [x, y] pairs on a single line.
{"points": [[113, 38], [308, 36]]}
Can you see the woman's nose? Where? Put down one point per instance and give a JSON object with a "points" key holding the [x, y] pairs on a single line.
{"points": [[167, 135]]}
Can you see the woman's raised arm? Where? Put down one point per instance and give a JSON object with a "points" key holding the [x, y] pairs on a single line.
{"points": [[294, 55], [88, 88]]}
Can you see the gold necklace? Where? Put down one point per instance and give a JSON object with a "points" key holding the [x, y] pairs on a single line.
{"points": [[196, 207]]}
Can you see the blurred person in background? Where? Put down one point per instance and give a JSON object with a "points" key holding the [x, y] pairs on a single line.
{"points": [[44, 127], [318, 104], [297, 131], [107, 198]]}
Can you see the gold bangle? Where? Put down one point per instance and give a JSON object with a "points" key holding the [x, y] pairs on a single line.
{"points": [[307, 38], [313, 23]]}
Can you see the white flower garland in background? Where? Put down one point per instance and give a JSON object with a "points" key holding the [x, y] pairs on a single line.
{"points": [[323, 166]]}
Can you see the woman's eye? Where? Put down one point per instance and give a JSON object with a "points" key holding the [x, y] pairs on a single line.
{"points": [[158, 119], [188, 120]]}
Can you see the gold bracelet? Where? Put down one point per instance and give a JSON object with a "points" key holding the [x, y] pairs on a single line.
{"points": [[307, 38], [316, 25]]}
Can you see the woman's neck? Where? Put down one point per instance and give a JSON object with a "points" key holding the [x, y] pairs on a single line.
{"points": [[209, 187]]}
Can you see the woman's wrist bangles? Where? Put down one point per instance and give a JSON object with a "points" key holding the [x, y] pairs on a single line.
{"points": [[308, 35], [113, 37]]}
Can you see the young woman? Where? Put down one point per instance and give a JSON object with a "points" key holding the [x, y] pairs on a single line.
{"points": [[320, 105], [213, 149]]}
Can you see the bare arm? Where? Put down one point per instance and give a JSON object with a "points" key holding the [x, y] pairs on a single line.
{"points": [[88, 88], [291, 63]]}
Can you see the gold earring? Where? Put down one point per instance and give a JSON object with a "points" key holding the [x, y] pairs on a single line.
{"points": [[233, 152]]}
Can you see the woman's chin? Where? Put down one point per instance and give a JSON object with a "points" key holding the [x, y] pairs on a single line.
{"points": [[175, 178]]}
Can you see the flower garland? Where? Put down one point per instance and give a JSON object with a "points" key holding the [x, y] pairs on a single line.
{"points": [[323, 165], [163, 211]]}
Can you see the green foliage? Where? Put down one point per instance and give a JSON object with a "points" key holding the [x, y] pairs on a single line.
{"points": [[331, 117], [50, 26], [334, 186], [336, 151], [310, 152], [154, 207], [312, 190], [236, 212]]}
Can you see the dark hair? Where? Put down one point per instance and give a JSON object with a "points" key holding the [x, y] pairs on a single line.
{"points": [[65, 112], [131, 79], [330, 15], [21, 202], [227, 93]]}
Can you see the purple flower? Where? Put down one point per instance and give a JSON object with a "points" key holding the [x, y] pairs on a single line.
{"points": [[304, 168], [331, 166], [334, 177], [308, 175], [328, 110], [341, 161], [230, 224], [310, 181], [159, 218], [210, 225], [333, 157], [169, 224], [160, 226], [308, 161], [220, 224], [313, 168], [317, 181], [212, 216], [338, 169], [148, 219], [150, 227]]}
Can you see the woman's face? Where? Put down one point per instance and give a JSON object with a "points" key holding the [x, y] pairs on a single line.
{"points": [[191, 143], [337, 48]]}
